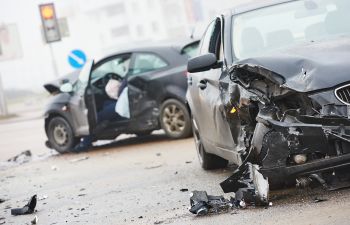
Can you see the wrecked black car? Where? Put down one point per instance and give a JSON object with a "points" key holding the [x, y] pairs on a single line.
{"points": [[271, 87], [154, 83]]}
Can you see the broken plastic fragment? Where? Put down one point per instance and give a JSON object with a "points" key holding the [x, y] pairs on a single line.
{"points": [[233, 110], [203, 204], [21, 158], [27, 209], [248, 184]]}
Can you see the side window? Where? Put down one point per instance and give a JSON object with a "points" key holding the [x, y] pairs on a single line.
{"points": [[118, 65], [146, 62]]}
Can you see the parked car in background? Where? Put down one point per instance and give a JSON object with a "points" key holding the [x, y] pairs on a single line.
{"points": [[157, 84], [271, 86]]}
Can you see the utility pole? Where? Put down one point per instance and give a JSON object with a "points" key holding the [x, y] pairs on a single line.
{"points": [[3, 104], [54, 66]]}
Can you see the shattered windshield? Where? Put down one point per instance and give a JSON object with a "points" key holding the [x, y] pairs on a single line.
{"points": [[267, 29]]}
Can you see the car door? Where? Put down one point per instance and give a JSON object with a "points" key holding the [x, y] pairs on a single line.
{"points": [[144, 65], [210, 113], [77, 104]]}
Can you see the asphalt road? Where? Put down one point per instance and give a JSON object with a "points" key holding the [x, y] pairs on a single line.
{"points": [[137, 181]]}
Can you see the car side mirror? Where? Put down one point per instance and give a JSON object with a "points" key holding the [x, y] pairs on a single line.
{"points": [[203, 63], [66, 88]]}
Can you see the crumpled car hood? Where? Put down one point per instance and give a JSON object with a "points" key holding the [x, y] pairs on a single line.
{"points": [[308, 67]]}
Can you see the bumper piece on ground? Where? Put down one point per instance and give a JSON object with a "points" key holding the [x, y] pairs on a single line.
{"points": [[248, 184]]}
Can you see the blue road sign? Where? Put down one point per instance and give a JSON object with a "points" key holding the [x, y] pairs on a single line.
{"points": [[77, 58]]}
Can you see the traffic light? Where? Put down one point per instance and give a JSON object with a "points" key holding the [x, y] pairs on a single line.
{"points": [[49, 22]]}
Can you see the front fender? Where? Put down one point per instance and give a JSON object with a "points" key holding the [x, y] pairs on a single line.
{"points": [[58, 109]]}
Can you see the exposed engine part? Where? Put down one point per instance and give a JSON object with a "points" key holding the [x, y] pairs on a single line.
{"points": [[311, 180], [303, 182], [318, 178]]}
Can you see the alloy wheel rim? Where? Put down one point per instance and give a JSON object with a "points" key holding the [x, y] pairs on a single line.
{"points": [[174, 119], [60, 134]]}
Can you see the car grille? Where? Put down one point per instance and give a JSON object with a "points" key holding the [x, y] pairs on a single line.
{"points": [[343, 94]]}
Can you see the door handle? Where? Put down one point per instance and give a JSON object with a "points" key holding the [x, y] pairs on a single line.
{"points": [[202, 84]]}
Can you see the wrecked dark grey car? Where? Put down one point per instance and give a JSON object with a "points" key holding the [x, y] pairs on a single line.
{"points": [[156, 81], [273, 89]]}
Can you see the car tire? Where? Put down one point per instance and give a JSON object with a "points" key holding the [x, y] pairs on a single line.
{"points": [[175, 119], [208, 161], [61, 136]]}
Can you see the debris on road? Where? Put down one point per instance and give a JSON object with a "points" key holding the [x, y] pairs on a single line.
{"points": [[188, 162], [79, 159], [153, 167], [203, 204], [2, 200], [43, 197], [317, 200], [54, 168], [35, 220], [248, 184], [21, 158], [183, 189], [27, 209]]}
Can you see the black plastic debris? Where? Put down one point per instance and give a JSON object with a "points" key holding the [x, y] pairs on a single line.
{"points": [[184, 189], [203, 204], [2, 200], [21, 158], [27, 209], [249, 186], [318, 199]]}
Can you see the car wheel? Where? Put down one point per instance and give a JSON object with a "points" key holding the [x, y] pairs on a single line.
{"points": [[61, 135], [208, 161], [175, 119]]}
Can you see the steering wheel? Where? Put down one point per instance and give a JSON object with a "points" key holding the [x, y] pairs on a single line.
{"points": [[114, 76]]}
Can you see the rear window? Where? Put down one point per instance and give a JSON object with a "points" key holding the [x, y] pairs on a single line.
{"points": [[190, 50]]}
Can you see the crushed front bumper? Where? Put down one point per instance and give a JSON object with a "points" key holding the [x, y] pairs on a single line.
{"points": [[324, 141]]}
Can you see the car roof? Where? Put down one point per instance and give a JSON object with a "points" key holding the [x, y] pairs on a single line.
{"points": [[257, 5], [157, 48]]}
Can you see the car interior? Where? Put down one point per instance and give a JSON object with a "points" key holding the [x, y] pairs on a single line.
{"points": [[112, 68]]}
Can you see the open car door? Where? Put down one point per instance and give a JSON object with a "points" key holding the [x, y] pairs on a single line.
{"points": [[82, 102]]}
